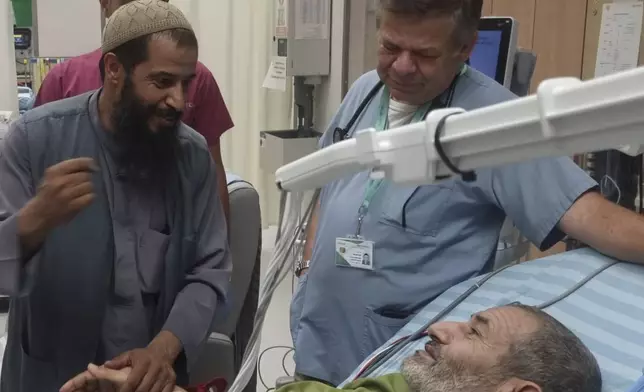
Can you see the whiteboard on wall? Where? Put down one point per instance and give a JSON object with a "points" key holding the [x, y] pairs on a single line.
{"points": [[66, 31]]}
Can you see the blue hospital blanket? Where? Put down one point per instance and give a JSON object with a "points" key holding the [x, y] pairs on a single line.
{"points": [[606, 313], [639, 386]]}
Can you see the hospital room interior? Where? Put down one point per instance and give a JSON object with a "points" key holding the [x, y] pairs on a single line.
{"points": [[561, 117]]}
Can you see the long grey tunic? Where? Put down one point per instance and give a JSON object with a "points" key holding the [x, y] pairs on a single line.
{"points": [[140, 238], [73, 291]]}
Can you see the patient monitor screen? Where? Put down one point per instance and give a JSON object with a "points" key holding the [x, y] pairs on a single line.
{"points": [[485, 56], [494, 48]]}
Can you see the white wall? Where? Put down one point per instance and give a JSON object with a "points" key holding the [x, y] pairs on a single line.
{"points": [[328, 95], [235, 44], [235, 39], [362, 38], [62, 33], [8, 85]]}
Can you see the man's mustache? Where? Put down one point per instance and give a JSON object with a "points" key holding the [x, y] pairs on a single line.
{"points": [[169, 114]]}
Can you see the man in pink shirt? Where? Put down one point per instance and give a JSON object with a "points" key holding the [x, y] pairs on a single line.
{"points": [[205, 110]]}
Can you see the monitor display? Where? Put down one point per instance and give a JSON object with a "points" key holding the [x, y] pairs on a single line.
{"points": [[485, 55], [493, 54], [21, 38]]}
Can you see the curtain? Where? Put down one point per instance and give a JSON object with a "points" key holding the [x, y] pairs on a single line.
{"points": [[236, 41]]}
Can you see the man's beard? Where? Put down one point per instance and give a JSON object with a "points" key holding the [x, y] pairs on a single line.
{"points": [[143, 154], [448, 375]]}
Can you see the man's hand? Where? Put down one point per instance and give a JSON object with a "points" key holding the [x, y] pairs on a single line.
{"points": [[97, 379], [150, 372], [100, 379], [152, 369], [65, 190]]}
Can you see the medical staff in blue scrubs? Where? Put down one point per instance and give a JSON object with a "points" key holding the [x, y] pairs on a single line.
{"points": [[421, 240]]}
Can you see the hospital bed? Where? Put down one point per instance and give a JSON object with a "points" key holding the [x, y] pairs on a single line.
{"points": [[599, 299], [222, 354]]}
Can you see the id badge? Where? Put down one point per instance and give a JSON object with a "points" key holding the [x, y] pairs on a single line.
{"points": [[354, 253]]}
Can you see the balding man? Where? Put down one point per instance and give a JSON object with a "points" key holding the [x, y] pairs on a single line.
{"points": [[204, 110], [113, 242]]}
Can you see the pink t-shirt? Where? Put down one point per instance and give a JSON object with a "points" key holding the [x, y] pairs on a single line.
{"points": [[205, 110]]}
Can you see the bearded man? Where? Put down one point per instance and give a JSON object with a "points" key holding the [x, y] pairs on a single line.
{"points": [[113, 240]]}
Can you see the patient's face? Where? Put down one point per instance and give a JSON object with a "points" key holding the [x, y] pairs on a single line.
{"points": [[465, 356]]}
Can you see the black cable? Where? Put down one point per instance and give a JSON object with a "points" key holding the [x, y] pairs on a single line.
{"points": [[641, 185], [284, 361], [577, 286], [259, 364], [468, 176], [282, 209]]}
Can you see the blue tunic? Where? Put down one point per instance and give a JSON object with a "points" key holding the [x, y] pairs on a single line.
{"points": [[448, 234]]}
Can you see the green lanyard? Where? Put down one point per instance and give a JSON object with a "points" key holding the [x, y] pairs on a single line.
{"points": [[382, 123]]}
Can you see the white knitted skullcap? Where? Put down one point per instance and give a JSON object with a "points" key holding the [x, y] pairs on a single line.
{"points": [[140, 18]]}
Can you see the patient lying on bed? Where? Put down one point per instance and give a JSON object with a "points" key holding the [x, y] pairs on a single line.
{"points": [[513, 348]]}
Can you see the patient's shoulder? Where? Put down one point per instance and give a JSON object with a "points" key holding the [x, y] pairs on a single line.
{"points": [[394, 382]]}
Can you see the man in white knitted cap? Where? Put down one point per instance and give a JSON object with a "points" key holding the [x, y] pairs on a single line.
{"points": [[205, 110], [113, 241]]}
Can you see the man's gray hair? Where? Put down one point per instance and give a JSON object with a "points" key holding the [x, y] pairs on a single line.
{"points": [[552, 357], [466, 13]]}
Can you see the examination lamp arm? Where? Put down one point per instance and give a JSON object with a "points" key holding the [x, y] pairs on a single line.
{"points": [[565, 117]]}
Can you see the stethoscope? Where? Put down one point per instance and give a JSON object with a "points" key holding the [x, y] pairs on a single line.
{"points": [[340, 133]]}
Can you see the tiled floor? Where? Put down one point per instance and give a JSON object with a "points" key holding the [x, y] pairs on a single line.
{"points": [[276, 325]]}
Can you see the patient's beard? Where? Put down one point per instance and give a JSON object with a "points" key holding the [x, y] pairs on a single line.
{"points": [[448, 375]]}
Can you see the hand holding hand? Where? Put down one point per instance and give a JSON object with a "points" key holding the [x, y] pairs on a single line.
{"points": [[97, 379], [151, 371]]}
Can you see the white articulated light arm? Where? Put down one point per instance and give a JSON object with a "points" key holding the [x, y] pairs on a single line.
{"points": [[565, 117]]}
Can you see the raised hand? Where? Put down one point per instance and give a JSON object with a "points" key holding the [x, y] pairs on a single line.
{"points": [[65, 190]]}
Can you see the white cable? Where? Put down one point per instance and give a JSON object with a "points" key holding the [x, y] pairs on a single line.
{"points": [[603, 187], [279, 268]]}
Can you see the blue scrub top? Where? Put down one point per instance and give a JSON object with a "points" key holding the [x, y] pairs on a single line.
{"points": [[449, 234]]}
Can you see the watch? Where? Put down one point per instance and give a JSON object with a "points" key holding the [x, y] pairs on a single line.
{"points": [[301, 266]]}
